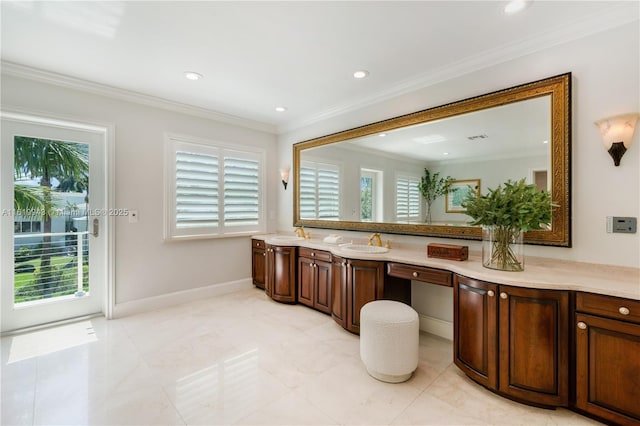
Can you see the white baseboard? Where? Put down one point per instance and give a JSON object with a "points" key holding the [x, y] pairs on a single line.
{"points": [[436, 326], [157, 302]]}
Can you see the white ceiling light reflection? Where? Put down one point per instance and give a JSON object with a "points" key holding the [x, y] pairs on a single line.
{"points": [[50, 340], [515, 6], [192, 75], [220, 393], [430, 139]]}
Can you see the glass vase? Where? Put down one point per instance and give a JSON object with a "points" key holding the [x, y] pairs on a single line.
{"points": [[502, 248]]}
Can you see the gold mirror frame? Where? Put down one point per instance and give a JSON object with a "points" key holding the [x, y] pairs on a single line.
{"points": [[559, 87]]}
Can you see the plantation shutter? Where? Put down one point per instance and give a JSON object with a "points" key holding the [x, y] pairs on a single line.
{"points": [[308, 193], [407, 198], [196, 190], [212, 191], [241, 190], [319, 191], [328, 192]]}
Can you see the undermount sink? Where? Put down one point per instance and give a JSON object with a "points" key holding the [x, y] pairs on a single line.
{"points": [[285, 238], [363, 248]]}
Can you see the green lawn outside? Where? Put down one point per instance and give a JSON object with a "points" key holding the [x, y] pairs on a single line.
{"points": [[24, 283]]}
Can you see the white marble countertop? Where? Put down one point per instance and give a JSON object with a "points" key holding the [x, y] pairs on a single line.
{"points": [[543, 273]]}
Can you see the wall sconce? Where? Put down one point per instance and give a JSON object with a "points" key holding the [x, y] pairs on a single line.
{"points": [[617, 134], [284, 174]]}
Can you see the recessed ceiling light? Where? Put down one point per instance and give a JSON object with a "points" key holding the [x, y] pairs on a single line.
{"points": [[281, 109], [515, 6], [360, 74], [190, 75]]}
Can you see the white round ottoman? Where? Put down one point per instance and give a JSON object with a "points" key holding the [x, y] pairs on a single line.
{"points": [[389, 334]]}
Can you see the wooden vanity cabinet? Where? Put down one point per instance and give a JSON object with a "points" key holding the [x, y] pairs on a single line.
{"points": [[280, 279], [365, 283], [258, 263], [475, 332], [314, 279], [339, 290], [513, 340], [534, 345], [420, 273], [607, 336], [353, 284]]}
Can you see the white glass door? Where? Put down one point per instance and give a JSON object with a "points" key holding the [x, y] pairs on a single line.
{"points": [[53, 222]]}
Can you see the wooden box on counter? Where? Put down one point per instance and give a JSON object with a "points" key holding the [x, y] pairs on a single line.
{"points": [[448, 251]]}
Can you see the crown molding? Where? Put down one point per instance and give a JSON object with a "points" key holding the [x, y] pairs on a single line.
{"points": [[35, 74], [617, 16]]}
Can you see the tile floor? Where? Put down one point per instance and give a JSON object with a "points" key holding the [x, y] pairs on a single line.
{"points": [[235, 359]]}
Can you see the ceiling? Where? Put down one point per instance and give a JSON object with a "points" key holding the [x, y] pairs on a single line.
{"points": [[255, 56]]}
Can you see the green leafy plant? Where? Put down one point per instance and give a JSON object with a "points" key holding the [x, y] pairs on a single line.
{"points": [[431, 187], [511, 209]]}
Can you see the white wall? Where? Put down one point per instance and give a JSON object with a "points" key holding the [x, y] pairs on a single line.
{"points": [[145, 265], [606, 82]]}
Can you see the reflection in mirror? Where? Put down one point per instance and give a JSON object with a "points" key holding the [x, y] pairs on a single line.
{"points": [[367, 178]]}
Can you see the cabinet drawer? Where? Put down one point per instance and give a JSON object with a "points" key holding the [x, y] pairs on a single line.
{"points": [[257, 244], [420, 273], [314, 254], [608, 306]]}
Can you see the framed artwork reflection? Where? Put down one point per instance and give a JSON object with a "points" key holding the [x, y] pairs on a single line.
{"points": [[459, 191]]}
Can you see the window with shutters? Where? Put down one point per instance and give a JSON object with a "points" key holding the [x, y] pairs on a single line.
{"points": [[212, 190], [319, 191], [407, 198]]}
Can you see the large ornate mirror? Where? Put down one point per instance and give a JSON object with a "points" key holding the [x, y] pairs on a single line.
{"points": [[366, 179]]}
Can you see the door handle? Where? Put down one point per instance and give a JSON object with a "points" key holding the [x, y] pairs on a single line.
{"points": [[95, 228]]}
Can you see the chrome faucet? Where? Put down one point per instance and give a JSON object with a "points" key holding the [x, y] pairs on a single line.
{"points": [[375, 236]]}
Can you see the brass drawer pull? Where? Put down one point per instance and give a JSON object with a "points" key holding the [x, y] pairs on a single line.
{"points": [[503, 295], [415, 275], [491, 293], [623, 310], [582, 326]]}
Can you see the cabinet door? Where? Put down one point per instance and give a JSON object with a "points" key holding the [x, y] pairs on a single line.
{"points": [[365, 283], [608, 369], [306, 278], [475, 334], [534, 355], [339, 290], [268, 270], [322, 288], [283, 274], [258, 264]]}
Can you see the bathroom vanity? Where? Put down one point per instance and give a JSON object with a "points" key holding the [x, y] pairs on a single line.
{"points": [[559, 334]]}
